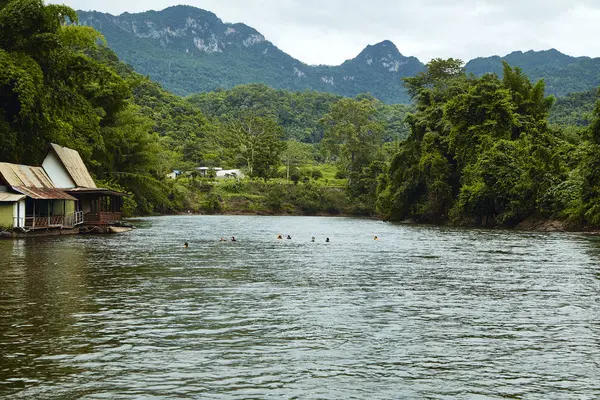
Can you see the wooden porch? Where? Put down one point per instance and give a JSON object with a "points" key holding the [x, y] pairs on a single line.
{"points": [[49, 214], [70, 220]]}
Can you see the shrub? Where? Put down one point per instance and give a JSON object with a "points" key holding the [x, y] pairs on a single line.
{"points": [[275, 197], [316, 174], [341, 174], [213, 203]]}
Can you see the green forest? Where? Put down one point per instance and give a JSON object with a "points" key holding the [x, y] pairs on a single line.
{"points": [[493, 150]]}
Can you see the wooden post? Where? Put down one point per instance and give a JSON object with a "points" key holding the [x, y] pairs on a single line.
{"points": [[33, 223]]}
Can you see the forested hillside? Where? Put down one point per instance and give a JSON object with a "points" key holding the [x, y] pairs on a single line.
{"points": [[189, 50], [574, 109], [562, 74], [299, 113]]}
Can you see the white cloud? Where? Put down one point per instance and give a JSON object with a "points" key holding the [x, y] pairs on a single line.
{"points": [[329, 32]]}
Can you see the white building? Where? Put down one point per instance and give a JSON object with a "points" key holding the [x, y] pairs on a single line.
{"points": [[205, 171], [230, 173]]}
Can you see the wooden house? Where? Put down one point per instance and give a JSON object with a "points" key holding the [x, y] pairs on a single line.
{"points": [[30, 201], [60, 194], [100, 207]]}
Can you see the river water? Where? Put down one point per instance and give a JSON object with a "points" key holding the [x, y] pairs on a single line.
{"points": [[424, 312]]}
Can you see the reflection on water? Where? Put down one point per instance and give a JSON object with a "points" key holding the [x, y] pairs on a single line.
{"points": [[422, 313]]}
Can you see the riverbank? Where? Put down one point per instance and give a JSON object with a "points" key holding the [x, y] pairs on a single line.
{"points": [[530, 225], [310, 198], [266, 198]]}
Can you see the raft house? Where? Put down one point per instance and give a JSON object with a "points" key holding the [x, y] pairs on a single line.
{"points": [[58, 198]]}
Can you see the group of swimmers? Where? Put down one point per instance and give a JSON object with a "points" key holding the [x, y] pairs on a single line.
{"points": [[279, 237], [312, 239]]}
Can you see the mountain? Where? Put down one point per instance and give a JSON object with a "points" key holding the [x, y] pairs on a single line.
{"points": [[563, 74], [189, 50]]}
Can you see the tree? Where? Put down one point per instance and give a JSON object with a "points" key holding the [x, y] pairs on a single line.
{"points": [[436, 79], [58, 84], [589, 210], [295, 155], [479, 149], [258, 141], [352, 134]]}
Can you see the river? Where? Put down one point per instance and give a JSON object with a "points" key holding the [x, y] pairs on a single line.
{"points": [[424, 312]]}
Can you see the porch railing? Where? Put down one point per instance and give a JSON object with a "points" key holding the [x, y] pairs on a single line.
{"points": [[74, 219], [44, 222], [56, 221]]}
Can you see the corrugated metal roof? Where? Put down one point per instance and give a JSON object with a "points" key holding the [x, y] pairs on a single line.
{"points": [[74, 165], [44, 193], [24, 175], [32, 182], [95, 191], [11, 197]]}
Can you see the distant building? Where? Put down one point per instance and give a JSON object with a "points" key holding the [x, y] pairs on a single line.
{"points": [[205, 171], [174, 174], [230, 174]]}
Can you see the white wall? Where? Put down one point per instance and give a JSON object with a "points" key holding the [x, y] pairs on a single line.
{"points": [[19, 214], [57, 172], [22, 211]]}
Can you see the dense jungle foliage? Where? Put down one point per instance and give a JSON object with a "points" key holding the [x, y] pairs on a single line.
{"points": [[470, 150], [481, 151], [299, 113]]}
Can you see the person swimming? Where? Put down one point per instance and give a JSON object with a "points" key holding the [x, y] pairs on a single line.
{"points": [[185, 245], [222, 239], [327, 240], [312, 239], [233, 239], [375, 238], [279, 237], [289, 237]]}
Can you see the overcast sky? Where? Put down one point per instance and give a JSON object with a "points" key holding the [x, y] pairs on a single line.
{"points": [[331, 31]]}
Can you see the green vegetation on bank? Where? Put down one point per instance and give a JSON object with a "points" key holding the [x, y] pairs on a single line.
{"points": [[481, 151], [60, 84], [258, 197]]}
